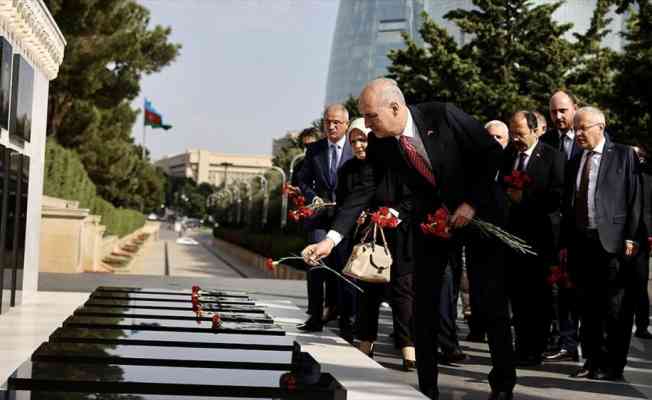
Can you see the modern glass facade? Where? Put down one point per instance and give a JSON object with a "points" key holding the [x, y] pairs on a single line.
{"points": [[367, 29]]}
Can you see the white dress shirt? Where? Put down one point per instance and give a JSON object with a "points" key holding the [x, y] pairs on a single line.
{"points": [[593, 179], [567, 141], [528, 154], [410, 130]]}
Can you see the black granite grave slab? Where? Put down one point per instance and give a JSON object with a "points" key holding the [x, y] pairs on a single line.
{"points": [[211, 292], [137, 379], [171, 314], [43, 395], [163, 356], [171, 325], [168, 298], [172, 338], [168, 305]]}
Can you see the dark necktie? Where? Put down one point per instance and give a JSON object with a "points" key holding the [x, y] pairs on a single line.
{"points": [[582, 195], [416, 160], [521, 161], [332, 171]]}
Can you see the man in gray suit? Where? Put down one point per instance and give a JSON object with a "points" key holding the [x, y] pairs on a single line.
{"points": [[599, 232]]}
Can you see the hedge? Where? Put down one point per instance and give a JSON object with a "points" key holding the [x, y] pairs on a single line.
{"points": [[66, 178], [274, 245]]}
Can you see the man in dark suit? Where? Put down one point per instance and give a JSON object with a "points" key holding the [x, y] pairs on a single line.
{"points": [[602, 200], [318, 178], [638, 300], [561, 136], [446, 159], [529, 219]]}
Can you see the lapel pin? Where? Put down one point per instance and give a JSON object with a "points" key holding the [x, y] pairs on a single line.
{"points": [[431, 132]]}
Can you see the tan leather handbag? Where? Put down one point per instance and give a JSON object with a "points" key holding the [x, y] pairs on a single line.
{"points": [[369, 261]]}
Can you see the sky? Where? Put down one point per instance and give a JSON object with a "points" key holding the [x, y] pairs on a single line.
{"points": [[248, 72]]}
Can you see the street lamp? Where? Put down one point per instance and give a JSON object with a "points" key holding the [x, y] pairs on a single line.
{"points": [[226, 166], [236, 195], [294, 160], [263, 187], [284, 196], [248, 210]]}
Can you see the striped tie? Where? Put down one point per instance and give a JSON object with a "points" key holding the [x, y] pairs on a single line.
{"points": [[416, 160]]}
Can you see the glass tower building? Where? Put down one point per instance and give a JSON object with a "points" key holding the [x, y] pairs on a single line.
{"points": [[366, 30]]}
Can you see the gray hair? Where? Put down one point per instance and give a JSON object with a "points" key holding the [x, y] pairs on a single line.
{"points": [[336, 107], [390, 92], [596, 112], [496, 122]]}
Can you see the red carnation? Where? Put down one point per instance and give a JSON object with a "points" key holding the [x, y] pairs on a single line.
{"points": [[384, 218], [288, 381], [437, 224], [195, 289], [269, 264], [217, 321], [517, 180]]}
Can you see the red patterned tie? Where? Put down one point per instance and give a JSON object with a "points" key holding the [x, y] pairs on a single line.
{"points": [[416, 160]]}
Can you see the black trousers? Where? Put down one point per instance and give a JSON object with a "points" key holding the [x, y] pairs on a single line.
{"points": [[601, 279], [638, 287], [530, 298], [447, 338], [400, 292], [323, 285], [486, 270]]}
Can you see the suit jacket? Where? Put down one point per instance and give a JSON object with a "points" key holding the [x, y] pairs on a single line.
{"points": [[464, 161], [618, 199], [530, 218], [551, 138], [646, 216], [313, 180], [390, 192]]}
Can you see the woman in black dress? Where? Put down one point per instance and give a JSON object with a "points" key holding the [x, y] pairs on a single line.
{"points": [[390, 193]]}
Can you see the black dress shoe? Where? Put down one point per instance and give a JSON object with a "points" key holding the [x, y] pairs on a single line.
{"points": [[608, 375], [409, 365], [310, 326], [451, 357], [528, 361], [584, 372], [501, 395], [643, 334], [562, 355]]}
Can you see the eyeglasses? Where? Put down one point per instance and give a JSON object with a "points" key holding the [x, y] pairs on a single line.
{"points": [[335, 122], [586, 128]]}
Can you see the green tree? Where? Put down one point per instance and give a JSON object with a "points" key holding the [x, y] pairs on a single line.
{"points": [[516, 57], [633, 81], [110, 47], [591, 79]]}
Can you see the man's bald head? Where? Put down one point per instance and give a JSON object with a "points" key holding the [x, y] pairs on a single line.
{"points": [[562, 110], [383, 107]]}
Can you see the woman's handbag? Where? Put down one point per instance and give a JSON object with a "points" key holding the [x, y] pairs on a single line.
{"points": [[370, 262]]}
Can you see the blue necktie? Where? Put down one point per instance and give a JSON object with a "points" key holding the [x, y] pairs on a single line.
{"points": [[332, 171]]}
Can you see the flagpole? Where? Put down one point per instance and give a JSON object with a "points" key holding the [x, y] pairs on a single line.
{"points": [[144, 132], [144, 127]]}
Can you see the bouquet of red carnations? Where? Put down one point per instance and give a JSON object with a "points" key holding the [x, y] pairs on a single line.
{"points": [[517, 180], [306, 211], [438, 224]]}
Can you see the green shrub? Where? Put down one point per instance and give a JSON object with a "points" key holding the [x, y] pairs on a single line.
{"points": [[66, 178], [273, 245]]}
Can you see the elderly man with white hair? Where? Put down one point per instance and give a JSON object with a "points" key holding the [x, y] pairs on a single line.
{"points": [[446, 159], [599, 232]]}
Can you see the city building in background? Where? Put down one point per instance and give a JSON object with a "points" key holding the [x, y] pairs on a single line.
{"points": [[204, 166], [366, 30], [31, 51]]}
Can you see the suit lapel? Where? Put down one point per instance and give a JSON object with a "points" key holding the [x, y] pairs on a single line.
{"points": [[347, 154], [605, 161], [534, 163], [323, 162], [427, 133]]}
